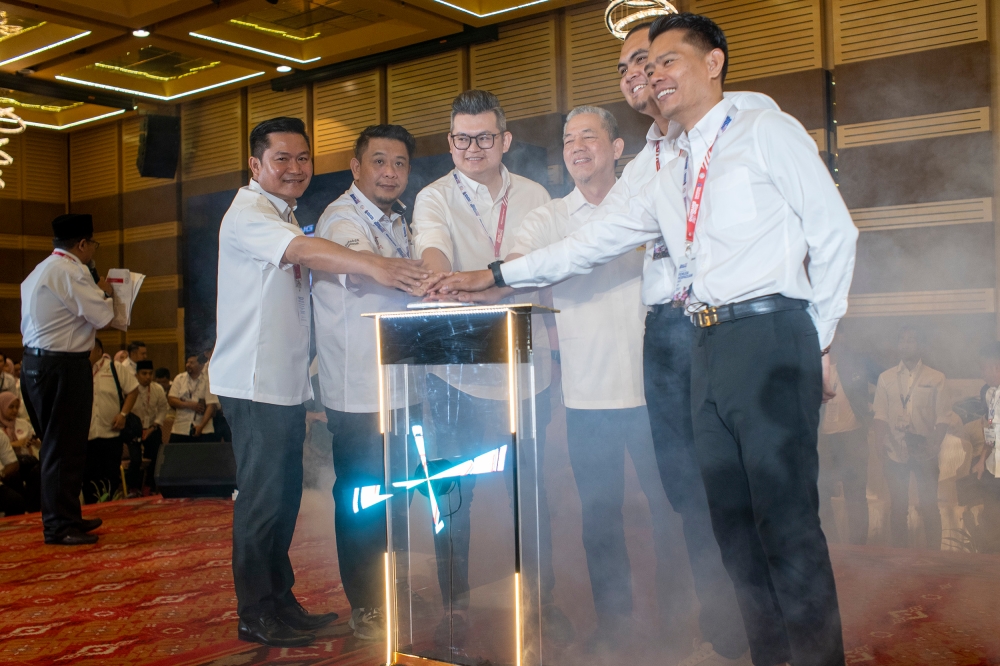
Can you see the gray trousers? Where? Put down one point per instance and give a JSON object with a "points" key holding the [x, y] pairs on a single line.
{"points": [[267, 443]]}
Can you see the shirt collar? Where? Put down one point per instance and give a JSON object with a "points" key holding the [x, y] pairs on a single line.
{"points": [[375, 210], [66, 254], [284, 210], [480, 189], [901, 368], [674, 130], [703, 134], [575, 201]]}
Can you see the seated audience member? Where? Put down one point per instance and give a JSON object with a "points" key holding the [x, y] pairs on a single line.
{"points": [[163, 379], [19, 431], [11, 501], [151, 408], [911, 420], [194, 403], [843, 444], [7, 380], [101, 478], [985, 467]]}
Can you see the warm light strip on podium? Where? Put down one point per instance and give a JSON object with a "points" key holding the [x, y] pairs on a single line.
{"points": [[164, 98], [255, 49], [44, 48]]}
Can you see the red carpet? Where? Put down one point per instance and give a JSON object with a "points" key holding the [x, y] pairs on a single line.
{"points": [[158, 589]]}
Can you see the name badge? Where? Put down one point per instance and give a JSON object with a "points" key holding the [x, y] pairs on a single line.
{"points": [[301, 297], [685, 278], [660, 250]]}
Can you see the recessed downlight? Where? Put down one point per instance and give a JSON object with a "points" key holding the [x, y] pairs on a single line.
{"points": [[284, 69], [141, 32]]}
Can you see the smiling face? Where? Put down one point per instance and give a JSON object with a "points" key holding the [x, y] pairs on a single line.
{"points": [[686, 80], [475, 162], [632, 70], [286, 167], [588, 150], [382, 172]]}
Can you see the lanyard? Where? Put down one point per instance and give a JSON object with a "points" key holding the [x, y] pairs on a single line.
{"points": [[913, 382], [694, 205], [658, 154], [378, 225], [62, 254], [501, 223]]}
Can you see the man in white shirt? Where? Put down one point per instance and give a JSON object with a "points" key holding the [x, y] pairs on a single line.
{"points": [[151, 407], [767, 189], [260, 369], [113, 401], [911, 419], [61, 308], [366, 218], [467, 220], [136, 352], [985, 468], [194, 403]]}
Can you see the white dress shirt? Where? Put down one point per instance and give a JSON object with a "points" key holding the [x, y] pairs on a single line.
{"points": [[106, 403], [7, 454], [837, 415], [189, 389], [769, 203], [61, 306], [601, 317], [345, 341], [444, 220], [263, 316], [151, 405], [926, 405]]}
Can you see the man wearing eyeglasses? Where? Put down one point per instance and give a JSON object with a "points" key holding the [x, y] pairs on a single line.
{"points": [[61, 309], [467, 220]]}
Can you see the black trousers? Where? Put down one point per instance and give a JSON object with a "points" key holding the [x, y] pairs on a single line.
{"points": [[137, 450], [667, 374], [926, 473], [59, 396], [267, 444], [843, 457], [11, 501], [102, 477], [358, 460], [756, 388], [461, 422]]}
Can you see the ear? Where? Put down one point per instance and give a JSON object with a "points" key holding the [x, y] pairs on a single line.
{"points": [[255, 166], [355, 167], [619, 146], [507, 138], [714, 60]]}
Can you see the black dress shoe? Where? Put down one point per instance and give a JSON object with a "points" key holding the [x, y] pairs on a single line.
{"points": [[90, 524], [72, 537], [296, 617], [269, 630]]}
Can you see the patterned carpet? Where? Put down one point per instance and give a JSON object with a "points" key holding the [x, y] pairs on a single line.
{"points": [[158, 590]]}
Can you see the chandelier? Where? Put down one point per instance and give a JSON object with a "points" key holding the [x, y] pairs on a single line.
{"points": [[622, 15], [9, 116]]}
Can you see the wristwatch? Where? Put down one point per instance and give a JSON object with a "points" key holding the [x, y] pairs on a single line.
{"points": [[497, 273]]}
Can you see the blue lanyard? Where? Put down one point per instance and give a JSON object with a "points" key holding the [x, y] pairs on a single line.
{"points": [[378, 225]]}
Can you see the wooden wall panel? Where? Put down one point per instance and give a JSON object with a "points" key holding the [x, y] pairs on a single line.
{"points": [[591, 58], [768, 37], [866, 29], [895, 304], [263, 103], [93, 163], [131, 180], [212, 136], [46, 167], [12, 174], [420, 92], [519, 68], [344, 107], [930, 126], [916, 216]]}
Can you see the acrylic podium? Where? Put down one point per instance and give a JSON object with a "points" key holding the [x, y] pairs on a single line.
{"points": [[457, 409]]}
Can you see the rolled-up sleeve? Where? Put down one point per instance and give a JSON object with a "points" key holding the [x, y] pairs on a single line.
{"points": [[431, 225]]}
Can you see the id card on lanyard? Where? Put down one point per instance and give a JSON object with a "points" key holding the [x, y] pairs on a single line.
{"points": [[501, 222], [990, 429], [403, 254], [686, 266], [660, 250]]}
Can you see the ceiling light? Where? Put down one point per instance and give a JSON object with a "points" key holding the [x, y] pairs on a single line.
{"points": [[44, 48], [284, 68], [256, 50], [622, 15], [141, 32], [164, 98]]}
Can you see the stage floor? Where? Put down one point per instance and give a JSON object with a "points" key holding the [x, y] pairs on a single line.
{"points": [[158, 589]]}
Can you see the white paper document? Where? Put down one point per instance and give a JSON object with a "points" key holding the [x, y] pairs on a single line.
{"points": [[125, 285]]}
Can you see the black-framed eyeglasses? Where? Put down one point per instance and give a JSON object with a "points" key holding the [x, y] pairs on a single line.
{"points": [[484, 141]]}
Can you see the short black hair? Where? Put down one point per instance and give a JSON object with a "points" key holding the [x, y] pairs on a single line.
{"points": [[645, 25], [259, 136], [135, 346], [162, 372], [395, 132], [474, 102], [66, 243], [700, 31]]}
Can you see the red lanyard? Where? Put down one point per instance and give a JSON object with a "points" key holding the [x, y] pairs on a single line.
{"points": [[694, 207], [501, 223], [62, 254], [658, 155]]}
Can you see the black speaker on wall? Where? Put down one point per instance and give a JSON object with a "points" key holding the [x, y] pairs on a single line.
{"points": [[159, 146], [196, 469]]}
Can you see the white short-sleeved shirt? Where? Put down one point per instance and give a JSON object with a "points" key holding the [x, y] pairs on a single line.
{"points": [[61, 306], [443, 219], [601, 316], [926, 404], [192, 390], [263, 312], [151, 405], [345, 341], [106, 403], [7, 454]]}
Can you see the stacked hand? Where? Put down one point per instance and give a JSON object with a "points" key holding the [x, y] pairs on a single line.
{"points": [[465, 287]]}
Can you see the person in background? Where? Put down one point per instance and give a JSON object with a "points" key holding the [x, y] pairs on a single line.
{"points": [[8, 382], [985, 467], [151, 407], [162, 377], [112, 384], [194, 403], [366, 218], [61, 309], [27, 481], [911, 420], [136, 351], [843, 444], [11, 501]]}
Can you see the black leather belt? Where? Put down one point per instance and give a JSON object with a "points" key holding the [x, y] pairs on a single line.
{"points": [[713, 316], [34, 351]]}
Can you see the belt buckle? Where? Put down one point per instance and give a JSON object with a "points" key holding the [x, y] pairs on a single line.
{"points": [[707, 317]]}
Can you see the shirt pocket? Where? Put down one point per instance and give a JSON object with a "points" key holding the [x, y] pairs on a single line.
{"points": [[731, 197]]}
